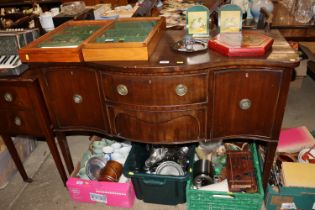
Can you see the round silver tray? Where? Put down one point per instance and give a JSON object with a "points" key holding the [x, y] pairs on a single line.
{"points": [[197, 46], [170, 168]]}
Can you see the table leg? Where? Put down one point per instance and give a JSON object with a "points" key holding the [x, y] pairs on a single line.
{"points": [[56, 156], [62, 140], [270, 154], [16, 158]]}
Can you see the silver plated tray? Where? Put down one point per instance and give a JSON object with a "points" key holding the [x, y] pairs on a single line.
{"points": [[94, 166], [197, 46], [170, 168]]}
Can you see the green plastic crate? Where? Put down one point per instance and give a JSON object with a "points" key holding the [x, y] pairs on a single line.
{"points": [[153, 188], [211, 200]]}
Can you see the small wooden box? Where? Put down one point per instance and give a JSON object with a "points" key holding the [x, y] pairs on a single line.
{"points": [[240, 171], [245, 43], [125, 39], [62, 44]]}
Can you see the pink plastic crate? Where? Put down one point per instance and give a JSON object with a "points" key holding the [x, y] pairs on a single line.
{"points": [[109, 193]]}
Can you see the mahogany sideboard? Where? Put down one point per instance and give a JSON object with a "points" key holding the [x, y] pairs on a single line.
{"points": [[193, 97]]}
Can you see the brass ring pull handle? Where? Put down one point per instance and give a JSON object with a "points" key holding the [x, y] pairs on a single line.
{"points": [[8, 97], [181, 90], [122, 89], [77, 98], [17, 121], [245, 104]]}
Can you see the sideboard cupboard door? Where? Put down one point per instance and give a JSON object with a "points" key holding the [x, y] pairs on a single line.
{"points": [[74, 98], [245, 102]]}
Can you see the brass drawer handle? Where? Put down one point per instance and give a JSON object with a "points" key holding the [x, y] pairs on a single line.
{"points": [[17, 121], [8, 97], [245, 104], [181, 90], [77, 98], [122, 89]]}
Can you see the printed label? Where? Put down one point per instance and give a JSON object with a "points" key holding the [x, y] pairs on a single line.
{"points": [[79, 182], [288, 206], [98, 198]]}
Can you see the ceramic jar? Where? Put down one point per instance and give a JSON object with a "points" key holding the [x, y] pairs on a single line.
{"points": [[256, 5], [97, 147], [46, 21]]}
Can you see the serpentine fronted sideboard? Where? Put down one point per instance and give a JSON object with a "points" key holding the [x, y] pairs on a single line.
{"points": [[193, 97]]}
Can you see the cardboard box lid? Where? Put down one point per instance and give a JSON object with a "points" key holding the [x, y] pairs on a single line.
{"points": [[298, 174]]}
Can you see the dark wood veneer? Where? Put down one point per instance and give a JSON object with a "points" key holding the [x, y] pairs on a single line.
{"points": [[62, 86], [197, 99], [261, 87]]}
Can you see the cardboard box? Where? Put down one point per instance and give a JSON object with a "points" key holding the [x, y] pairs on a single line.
{"points": [[290, 198], [298, 174], [24, 147], [302, 68], [109, 193]]}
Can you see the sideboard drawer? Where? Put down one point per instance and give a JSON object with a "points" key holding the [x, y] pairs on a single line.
{"points": [[156, 90], [19, 122], [14, 97], [159, 126]]}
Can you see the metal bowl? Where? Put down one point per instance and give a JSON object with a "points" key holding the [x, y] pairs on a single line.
{"points": [[94, 166]]}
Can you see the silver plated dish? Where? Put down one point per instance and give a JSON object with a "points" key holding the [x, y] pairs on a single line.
{"points": [[196, 46], [94, 166], [170, 168]]}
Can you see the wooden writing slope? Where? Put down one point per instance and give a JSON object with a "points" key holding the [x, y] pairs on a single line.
{"points": [[62, 44], [127, 39]]}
